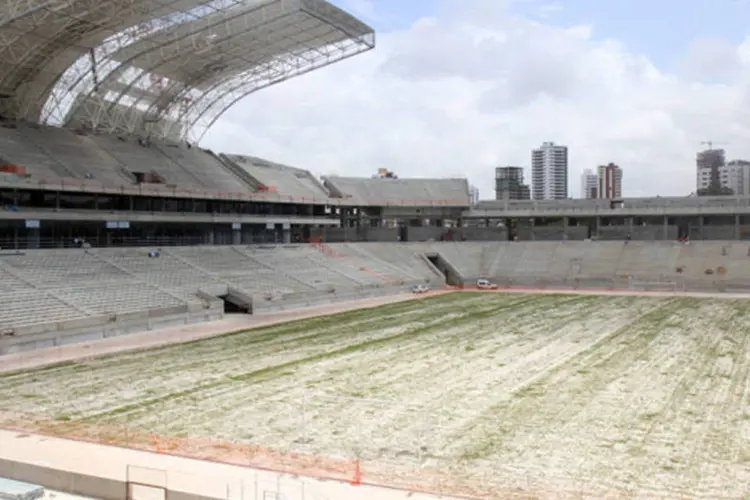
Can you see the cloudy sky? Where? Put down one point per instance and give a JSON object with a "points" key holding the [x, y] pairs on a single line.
{"points": [[457, 87]]}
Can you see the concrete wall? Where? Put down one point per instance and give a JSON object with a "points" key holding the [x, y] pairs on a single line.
{"points": [[715, 233], [649, 232], [97, 328], [548, 233], [79, 484], [481, 233], [262, 304], [668, 265]]}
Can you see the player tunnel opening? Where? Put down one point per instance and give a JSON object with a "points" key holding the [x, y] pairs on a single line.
{"points": [[236, 302], [452, 276]]}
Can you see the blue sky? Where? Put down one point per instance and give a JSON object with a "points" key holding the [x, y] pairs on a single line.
{"points": [[662, 30]]}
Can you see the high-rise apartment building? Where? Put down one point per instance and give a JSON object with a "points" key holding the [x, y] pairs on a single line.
{"points": [[509, 184], [708, 164], [735, 175], [609, 181], [549, 172], [588, 184]]}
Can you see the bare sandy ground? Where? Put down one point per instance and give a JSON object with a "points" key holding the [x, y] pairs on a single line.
{"points": [[176, 335]]}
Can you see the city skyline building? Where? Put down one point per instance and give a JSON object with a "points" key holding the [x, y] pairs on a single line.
{"points": [[509, 184], [708, 164], [588, 184], [734, 176], [549, 172], [609, 181]]}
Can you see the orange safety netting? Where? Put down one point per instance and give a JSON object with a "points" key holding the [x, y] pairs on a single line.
{"points": [[353, 470]]}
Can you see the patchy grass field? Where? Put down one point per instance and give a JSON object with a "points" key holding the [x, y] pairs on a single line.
{"points": [[639, 394]]}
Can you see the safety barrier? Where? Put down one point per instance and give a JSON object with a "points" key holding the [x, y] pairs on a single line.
{"points": [[99, 327]]}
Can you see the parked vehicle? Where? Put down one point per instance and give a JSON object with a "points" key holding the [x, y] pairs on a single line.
{"points": [[486, 285], [420, 289]]}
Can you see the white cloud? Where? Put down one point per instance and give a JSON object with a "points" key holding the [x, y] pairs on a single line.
{"points": [[472, 88], [364, 9], [711, 59]]}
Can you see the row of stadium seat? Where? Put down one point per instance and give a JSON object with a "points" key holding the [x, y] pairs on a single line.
{"points": [[697, 264], [50, 286], [51, 154]]}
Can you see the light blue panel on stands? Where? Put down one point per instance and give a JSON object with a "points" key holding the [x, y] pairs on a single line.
{"points": [[16, 490]]}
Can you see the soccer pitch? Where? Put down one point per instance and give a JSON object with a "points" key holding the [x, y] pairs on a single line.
{"points": [[645, 395]]}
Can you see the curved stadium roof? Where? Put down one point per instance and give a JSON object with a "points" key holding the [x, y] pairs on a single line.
{"points": [[165, 67]]}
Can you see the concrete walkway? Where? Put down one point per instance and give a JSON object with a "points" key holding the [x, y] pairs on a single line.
{"points": [[104, 471]]}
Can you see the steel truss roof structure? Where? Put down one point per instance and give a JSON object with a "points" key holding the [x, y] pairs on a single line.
{"points": [[164, 68]]}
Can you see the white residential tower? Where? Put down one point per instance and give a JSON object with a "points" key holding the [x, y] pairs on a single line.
{"points": [[588, 184], [549, 172]]}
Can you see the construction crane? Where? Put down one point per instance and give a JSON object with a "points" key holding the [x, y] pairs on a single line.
{"points": [[710, 144]]}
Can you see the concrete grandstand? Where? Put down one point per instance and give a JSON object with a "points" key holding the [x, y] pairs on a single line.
{"points": [[57, 297], [98, 118], [114, 222]]}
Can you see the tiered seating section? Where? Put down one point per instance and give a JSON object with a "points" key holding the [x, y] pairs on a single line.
{"points": [[54, 154], [43, 288], [280, 179], [419, 192], [709, 266]]}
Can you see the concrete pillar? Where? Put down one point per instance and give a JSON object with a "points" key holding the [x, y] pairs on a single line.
{"points": [[737, 228], [629, 223], [598, 226], [665, 234], [211, 236], [531, 225], [32, 237], [700, 228], [237, 236], [287, 236], [566, 221]]}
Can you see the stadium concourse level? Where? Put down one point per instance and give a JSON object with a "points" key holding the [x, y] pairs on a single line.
{"points": [[57, 297], [51, 156]]}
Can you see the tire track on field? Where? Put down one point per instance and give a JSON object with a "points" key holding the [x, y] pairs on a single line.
{"points": [[435, 394], [412, 343], [494, 306], [535, 330], [260, 375], [529, 408], [631, 407], [337, 411], [165, 370]]}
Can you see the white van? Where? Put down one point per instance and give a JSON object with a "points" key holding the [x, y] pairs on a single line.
{"points": [[486, 285], [420, 289]]}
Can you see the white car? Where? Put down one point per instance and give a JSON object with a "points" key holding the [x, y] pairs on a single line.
{"points": [[486, 285], [420, 289]]}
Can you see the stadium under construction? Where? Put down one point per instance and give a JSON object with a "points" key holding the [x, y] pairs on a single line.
{"points": [[120, 235]]}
